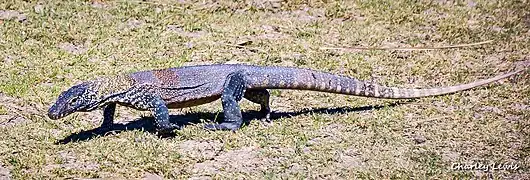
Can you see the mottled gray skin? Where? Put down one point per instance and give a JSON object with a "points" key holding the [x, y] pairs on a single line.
{"points": [[160, 90]]}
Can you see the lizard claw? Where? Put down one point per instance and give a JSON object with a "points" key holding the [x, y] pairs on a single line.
{"points": [[266, 120], [167, 129]]}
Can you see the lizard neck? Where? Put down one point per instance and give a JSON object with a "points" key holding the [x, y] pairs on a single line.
{"points": [[109, 87]]}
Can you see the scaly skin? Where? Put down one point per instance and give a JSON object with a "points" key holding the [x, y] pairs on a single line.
{"points": [[160, 90]]}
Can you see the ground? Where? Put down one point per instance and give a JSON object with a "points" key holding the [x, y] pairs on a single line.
{"points": [[48, 46]]}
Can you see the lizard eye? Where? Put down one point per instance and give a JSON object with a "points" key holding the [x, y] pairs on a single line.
{"points": [[73, 101]]}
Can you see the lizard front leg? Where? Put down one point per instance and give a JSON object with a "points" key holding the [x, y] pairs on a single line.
{"points": [[233, 90], [145, 98], [108, 115]]}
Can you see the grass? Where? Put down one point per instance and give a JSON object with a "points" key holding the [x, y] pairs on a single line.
{"points": [[60, 43]]}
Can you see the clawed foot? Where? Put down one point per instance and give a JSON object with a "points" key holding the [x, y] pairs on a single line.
{"points": [[167, 130], [266, 120], [223, 126]]}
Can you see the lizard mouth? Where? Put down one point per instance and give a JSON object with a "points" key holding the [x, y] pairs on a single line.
{"points": [[91, 107], [56, 113], [55, 116]]}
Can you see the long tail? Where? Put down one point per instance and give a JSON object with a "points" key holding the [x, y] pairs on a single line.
{"points": [[306, 79]]}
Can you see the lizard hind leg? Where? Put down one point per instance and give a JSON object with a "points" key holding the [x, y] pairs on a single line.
{"points": [[261, 97], [233, 90]]}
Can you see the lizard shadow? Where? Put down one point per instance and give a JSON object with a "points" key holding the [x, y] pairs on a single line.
{"points": [[146, 123]]}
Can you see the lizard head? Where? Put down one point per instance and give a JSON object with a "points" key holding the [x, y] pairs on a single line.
{"points": [[79, 98]]}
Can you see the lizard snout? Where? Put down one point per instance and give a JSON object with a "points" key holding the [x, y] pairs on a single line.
{"points": [[53, 114], [56, 113]]}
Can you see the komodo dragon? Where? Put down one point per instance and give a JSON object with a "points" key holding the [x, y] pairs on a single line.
{"points": [[158, 90]]}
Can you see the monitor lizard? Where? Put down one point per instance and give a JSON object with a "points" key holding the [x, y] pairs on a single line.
{"points": [[160, 90]]}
